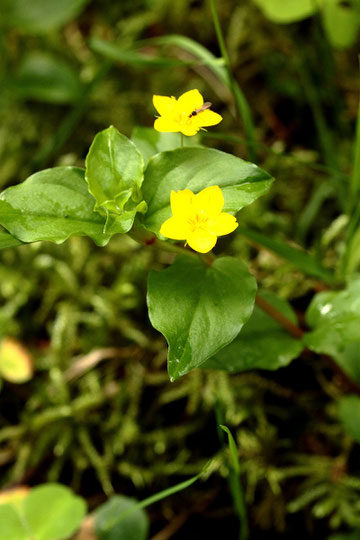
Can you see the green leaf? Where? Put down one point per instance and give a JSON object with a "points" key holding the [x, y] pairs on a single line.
{"points": [[151, 142], [297, 256], [284, 12], [133, 525], [349, 414], [52, 205], [341, 22], [335, 320], [11, 523], [121, 53], [236, 486], [37, 16], [114, 173], [43, 77], [7, 240], [15, 361], [199, 308], [195, 169], [261, 344], [53, 512], [195, 50]]}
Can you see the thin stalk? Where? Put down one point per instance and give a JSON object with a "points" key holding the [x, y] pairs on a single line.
{"points": [[233, 467], [325, 138], [355, 176], [239, 97]]}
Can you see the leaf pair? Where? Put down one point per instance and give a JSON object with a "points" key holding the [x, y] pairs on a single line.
{"points": [[55, 204]]}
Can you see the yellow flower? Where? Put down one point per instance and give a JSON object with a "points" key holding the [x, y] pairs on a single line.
{"points": [[198, 219], [187, 114]]}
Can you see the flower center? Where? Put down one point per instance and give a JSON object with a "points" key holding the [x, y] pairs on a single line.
{"points": [[199, 220], [183, 119]]}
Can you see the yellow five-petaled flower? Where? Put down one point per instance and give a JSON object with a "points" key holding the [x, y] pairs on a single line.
{"points": [[187, 114], [198, 219]]}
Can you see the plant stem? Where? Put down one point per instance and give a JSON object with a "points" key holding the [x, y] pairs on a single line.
{"points": [[292, 328], [240, 100], [181, 140]]}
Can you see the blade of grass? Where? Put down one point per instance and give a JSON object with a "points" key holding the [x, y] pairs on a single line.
{"points": [[196, 50], [240, 100], [298, 257], [118, 53], [355, 176], [236, 487]]}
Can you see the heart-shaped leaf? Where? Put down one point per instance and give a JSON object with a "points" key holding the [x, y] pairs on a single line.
{"points": [[199, 308]]}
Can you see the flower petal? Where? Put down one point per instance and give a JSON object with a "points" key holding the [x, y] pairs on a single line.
{"points": [[222, 224], [201, 240], [166, 125], [190, 101], [207, 118], [175, 228], [164, 105], [181, 203], [209, 200], [189, 130]]}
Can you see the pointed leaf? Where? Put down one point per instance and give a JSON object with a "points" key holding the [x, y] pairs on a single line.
{"points": [[114, 173], [52, 205], [199, 308], [195, 169]]}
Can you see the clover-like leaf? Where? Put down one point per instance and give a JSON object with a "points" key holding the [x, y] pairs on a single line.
{"points": [[199, 308], [52, 512]]}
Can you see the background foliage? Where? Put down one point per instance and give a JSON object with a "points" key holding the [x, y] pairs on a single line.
{"points": [[100, 414]]}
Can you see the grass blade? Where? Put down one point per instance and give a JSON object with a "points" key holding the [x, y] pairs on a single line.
{"points": [[236, 487], [298, 257]]}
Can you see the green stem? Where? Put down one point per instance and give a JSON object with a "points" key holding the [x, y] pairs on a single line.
{"points": [[239, 97], [233, 467], [181, 140]]}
